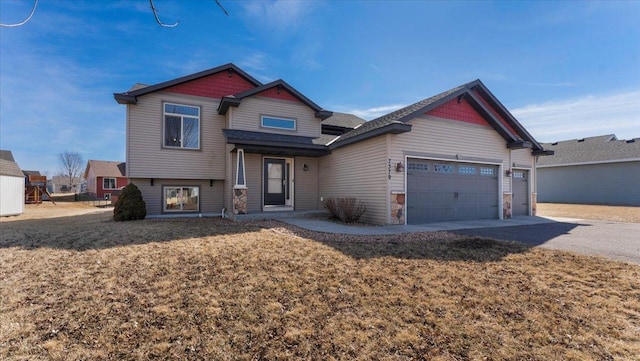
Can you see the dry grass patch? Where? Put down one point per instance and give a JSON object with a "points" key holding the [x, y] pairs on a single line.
{"points": [[88, 288], [586, 211]]}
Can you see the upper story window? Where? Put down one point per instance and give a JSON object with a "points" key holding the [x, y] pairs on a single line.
{"points": [[181, 126], [108, 183], [278, 123]]}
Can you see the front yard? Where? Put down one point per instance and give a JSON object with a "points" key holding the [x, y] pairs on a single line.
{"points": [[83, 287]]}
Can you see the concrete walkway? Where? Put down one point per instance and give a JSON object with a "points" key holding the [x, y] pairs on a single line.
{"points": [[322, 225]]}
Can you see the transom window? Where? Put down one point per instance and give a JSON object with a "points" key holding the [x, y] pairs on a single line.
{"points": [[443, 168], [108, 183], [467, 169], [181, 199], [181, 126], [278, 123], [487, 171]]}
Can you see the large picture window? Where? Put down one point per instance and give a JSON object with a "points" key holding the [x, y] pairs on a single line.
{"points": [[181, 126], [181, 199], [108, 183]]}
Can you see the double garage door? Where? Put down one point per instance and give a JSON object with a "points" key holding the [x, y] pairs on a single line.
{"points": [[446, 191]]}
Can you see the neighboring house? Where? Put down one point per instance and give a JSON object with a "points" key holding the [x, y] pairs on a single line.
{"points": [[221, 139], [60, 184], [11, 185], [595, 170], [105, 178]]}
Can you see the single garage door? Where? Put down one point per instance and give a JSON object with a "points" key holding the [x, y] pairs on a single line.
{"points": [[445, 191], [520, 193]]}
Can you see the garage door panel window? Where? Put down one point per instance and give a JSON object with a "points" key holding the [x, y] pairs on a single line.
{"points": [[443, 168], [467, 169], [487, 171]]}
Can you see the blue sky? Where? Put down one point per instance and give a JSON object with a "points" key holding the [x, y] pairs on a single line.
{"points": [[565, 69]]}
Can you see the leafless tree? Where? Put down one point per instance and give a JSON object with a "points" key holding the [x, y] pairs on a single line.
{"points": [[71, 166], [153, 10]]}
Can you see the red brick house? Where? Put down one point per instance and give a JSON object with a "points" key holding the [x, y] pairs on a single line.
{"points": [[105, 178]]}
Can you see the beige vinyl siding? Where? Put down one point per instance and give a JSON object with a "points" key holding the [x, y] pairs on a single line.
{"points": [[359, 170], [248, 116], [432, 135], [253, 167], [146, 157], [306, 195], [211, 198]]}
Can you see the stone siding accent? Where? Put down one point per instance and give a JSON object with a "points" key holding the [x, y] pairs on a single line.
{"points": [[534, 203], [397, 208], [240, 201], [506, 205]]}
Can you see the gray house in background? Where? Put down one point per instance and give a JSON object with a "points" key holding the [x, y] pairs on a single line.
{"points": [[595, 170]]}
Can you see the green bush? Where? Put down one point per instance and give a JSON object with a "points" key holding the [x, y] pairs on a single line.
{"points": [[347, 210], [130, 205]]}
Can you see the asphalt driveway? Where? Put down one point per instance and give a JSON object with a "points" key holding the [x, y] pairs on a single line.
{"points": [[620, 241]]}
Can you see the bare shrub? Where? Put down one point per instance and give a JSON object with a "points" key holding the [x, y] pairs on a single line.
{"points": [[347, 210]]}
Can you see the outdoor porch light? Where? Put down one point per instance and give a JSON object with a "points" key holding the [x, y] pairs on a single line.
{"points": [[507, 172], [305, 167], [151, 181], [399, 167]]}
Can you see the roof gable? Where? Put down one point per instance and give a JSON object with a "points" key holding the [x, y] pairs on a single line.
{"points": [[473, 94], [106, 168], [7, 155], [10, 168], [278, 89], [215, 82]]}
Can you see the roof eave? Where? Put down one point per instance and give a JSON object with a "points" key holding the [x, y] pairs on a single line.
{"points": [[324, 114], [396, 127], [226, 103], [543, 152], [520, 144], [124, 98]]}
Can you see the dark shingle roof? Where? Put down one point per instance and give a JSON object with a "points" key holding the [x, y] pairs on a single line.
{"points": [[31, 172], [600, 149], [245, 136], [343, 120], [397, 116], [7, 155]]}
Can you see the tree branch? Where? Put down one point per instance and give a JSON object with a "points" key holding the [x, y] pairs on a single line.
{"points": [[35, 3], [155, 14]]}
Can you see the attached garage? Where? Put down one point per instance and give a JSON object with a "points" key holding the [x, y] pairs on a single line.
{"points": [[445, 191]]}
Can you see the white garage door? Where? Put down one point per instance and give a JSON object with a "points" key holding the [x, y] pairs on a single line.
{"points": [[445, 191], [520, 201]]}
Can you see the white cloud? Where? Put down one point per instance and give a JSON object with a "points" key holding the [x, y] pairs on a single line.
{"points": [[583, 117], [279, 14]]}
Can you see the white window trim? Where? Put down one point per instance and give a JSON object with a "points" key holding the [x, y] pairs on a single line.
{"points": [[295, 123], [239, 155], [115, 183], [164, 125]]}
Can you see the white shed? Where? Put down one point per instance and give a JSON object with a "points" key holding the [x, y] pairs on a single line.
{"points": [[11, 186]]}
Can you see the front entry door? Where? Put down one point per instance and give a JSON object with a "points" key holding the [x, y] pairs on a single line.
{"points": [[275, 182]]}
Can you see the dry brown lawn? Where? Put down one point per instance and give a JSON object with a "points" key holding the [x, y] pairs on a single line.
{"points": [[584, 211], [83, 287]]}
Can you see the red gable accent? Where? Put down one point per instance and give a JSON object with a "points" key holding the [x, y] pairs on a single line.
{"points": [[495, 114], [283, 95], [213, 86], [462, 111]]}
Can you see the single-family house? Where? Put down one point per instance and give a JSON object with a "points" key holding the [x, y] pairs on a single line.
{"points": [[105, 178], [220, 139], [11, 185], [594, 170]]}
